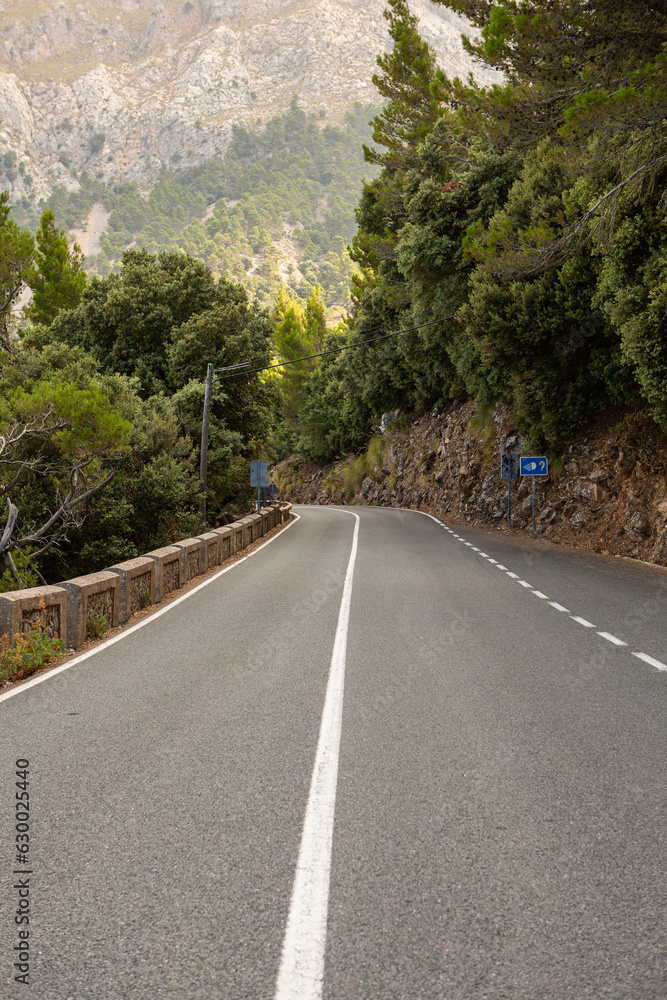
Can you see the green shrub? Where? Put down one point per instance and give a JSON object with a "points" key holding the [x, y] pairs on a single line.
{"points": [[96, 625], [28, 653]]}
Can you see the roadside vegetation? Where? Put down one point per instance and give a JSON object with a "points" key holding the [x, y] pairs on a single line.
{"points": [[520, 229]]}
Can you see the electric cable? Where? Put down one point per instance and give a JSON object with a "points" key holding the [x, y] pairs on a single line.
{"points": [[336, 350]]}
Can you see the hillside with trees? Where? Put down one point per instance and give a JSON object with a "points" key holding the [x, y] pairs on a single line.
{"points": [[528, 216], [279, 207], [510, 238]]}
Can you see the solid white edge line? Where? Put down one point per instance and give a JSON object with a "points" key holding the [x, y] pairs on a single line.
{"points": [[612, 638], [650, 659], [301, 971], [582, 621], [145, 621]]}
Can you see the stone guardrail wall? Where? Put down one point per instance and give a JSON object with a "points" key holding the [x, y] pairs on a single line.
{"points": [[69, 611]]}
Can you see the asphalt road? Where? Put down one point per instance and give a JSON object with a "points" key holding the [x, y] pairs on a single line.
{"points": [[498, 830]]}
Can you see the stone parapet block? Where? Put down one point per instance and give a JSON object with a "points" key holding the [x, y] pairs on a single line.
{"points": [[137, 579], [167, 563], [267, 520], [240, 535], [97, 593], [210, 550], [226, 535], [248, 525], [191, 558], [21, 610]]}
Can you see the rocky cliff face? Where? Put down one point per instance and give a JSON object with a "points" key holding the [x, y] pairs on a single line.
{"points": [[607, 492], [122, 88]]}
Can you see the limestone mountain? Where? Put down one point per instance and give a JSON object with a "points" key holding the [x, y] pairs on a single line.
{"points": [[123, 88]]}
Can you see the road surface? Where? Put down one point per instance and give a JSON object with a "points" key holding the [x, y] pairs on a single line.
{"points": [[380, 759]]}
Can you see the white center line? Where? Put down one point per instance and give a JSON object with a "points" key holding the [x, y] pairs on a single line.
{"points": [[538, 593], [475, 549], [558, 607], [582, 621], [301, 971], [612, 638], [484, 555], [524, 583], [500, 566], [494, 562], [514, 576], [649, 659]]}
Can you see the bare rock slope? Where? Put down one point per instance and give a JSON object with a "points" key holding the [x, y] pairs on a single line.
{"points": [[123, 87], [607, 492]]}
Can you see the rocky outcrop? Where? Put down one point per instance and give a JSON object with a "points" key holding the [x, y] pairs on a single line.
{"points": [[122, 88], [606, 492]]}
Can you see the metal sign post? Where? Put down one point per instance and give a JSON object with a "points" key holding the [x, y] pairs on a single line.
{"points": [[509, 465], [259, 477], [533, 466]]}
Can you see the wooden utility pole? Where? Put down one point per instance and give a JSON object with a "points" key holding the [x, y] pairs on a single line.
{"points": [[203, 461]]}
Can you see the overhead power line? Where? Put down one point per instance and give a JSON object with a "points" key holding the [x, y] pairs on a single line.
{"points": [[337, 350]]}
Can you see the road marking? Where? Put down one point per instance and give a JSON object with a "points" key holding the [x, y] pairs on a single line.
{"points": [[524, 583], [582, 621], [301, 971], [658, 664], [475, 549], [649, 659], [145, 621], [612, 638]]}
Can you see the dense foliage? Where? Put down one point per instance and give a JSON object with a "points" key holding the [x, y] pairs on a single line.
{"points": [[530, 214], [512, 237]]}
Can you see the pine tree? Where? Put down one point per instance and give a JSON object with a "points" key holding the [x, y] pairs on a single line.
{"points": [[315, 320], [408, 72], [57, 278]]}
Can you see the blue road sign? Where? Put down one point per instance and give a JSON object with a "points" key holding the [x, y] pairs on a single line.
{"points": [[530, 466]]}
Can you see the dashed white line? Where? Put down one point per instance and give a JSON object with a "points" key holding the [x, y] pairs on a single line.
{"points": [[582, 621], [612, 638], [651, 660]]}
